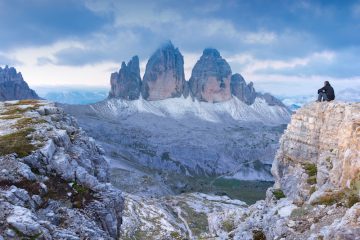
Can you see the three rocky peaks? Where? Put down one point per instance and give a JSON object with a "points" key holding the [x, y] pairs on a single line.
{"points": [[211, 79]]}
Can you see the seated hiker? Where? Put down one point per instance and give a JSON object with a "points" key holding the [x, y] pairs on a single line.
{"points": [[326, 93]]}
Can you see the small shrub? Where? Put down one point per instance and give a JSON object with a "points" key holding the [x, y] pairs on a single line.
{"points": [[310, 169], [258, 235], [352, 199], [175, 235], [311, 180], [228, 226], [278, 193], [312, 190], [331, 198]]}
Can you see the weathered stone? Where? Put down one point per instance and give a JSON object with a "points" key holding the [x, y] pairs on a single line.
{"points": [[241, 90], [210, 78], [13, 86], [126, 83], [164, 75]]}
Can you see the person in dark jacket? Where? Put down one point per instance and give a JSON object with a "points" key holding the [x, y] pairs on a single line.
{"points": [[326, 93]]}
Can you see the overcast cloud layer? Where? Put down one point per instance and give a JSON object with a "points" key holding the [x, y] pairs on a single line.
{"points": [[284, 47]]}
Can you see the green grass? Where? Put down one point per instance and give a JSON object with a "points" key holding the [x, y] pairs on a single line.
{"points": [[17, 142], [228, 225], [278, 193], [311, 171]]}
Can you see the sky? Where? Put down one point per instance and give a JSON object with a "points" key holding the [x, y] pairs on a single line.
{"points": [[286, 47]]}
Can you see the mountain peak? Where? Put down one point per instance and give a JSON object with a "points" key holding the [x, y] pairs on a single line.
{"points": [[126, 83], [13, 86], [211, 52], [164, 75]]}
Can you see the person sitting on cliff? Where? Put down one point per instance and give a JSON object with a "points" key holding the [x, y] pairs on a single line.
{"points": [[326, 93]]}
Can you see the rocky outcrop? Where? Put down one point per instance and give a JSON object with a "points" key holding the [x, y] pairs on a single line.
{"points": [[54, 180], [317, 183], [164, 75], [210, 78], [241, 90], [319, 152], [13, 86], [126, 83]]}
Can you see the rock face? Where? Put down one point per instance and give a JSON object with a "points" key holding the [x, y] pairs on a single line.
{"points": [[164, 74], [324, 139], [54, 180], [13, 86], [210, 78], [317, 183], [126, 83], [241, 90]]}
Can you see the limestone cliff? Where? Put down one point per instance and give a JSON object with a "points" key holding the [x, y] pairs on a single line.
{"points": [[317, 179], [210, 78], [54, 180], [164, 75], [13, 86], [126, 83]]}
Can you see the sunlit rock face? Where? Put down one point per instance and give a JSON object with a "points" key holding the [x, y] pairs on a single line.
{"points": [[241, 90], [13, 86], [164, 75], [210, 78], [126, 83], [322, 138]]}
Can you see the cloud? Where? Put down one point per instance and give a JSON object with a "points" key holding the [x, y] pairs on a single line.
{"points": [[251, 64], [261, 37], [41, 22]]}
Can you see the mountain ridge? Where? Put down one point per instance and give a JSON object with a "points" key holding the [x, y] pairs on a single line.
{"points": [[211, 79]]}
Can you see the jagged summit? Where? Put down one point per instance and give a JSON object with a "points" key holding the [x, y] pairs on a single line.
{"points": [[164, 75], [211, 52], [241, 90], [126, 83], [211, 79], [13, 86]]}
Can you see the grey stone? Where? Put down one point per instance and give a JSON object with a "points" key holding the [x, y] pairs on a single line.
{"points": [[126, 83], [210, 78], [13, 86], [164, 75], [241, 90]]}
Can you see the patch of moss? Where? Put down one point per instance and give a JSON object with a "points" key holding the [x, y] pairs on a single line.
{"points": [[311, 180], [175, 236], [310, 169], [312, 190], [17, 110], [17, 142], [258, 235], [9, 117], [278, 193], [25, 122], [228, 225]]}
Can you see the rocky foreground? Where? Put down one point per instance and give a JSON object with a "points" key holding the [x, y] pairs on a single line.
{"points": [[54, 180], [54, 184]]}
